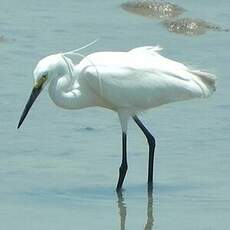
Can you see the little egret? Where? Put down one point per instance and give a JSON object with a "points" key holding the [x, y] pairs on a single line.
{"points": [[124, 82]]}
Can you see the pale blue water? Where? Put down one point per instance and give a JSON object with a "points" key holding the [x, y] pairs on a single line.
{"points": [[59, 170]]}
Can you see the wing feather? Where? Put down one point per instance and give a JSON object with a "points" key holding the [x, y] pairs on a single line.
{"points": [[140, 89], [141, 78]]}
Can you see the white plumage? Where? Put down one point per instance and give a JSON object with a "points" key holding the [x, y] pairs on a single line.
{"points": [[129, 82], [125, 82], [141, 79]]}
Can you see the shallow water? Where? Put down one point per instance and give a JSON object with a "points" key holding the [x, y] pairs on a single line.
{"points": [[59, 170]]}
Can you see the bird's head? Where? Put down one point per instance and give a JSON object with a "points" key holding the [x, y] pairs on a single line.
{"points": [[47, 69]]}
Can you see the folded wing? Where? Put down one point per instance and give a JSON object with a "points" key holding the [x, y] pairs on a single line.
{"points": [[142, 78]]}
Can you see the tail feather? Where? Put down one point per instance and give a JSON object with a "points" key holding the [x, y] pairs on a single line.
{"points": [[206, 81]]}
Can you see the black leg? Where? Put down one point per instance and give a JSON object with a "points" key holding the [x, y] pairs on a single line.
{"points": [[124, 165], [152, 144]]}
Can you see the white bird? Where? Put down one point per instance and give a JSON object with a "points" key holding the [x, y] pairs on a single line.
{"points": [[124, 82]]}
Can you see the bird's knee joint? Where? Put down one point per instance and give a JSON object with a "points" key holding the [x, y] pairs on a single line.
{"points": [[123, 167], [151, 140]]}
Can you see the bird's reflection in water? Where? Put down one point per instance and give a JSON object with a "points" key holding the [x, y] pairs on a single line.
{"points": [[123, 210], [149, 222]]}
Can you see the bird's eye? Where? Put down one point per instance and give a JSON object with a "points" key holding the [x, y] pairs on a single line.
{"points": [[44, 77]]}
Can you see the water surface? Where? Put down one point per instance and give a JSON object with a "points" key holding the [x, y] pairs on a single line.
{"points": [[59, 170]]}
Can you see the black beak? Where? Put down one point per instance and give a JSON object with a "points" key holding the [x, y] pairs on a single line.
{"points": [[34, 94]]}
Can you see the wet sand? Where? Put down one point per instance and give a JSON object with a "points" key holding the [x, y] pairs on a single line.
{"points": [[191, 26], [153, 9], [169, 14]]}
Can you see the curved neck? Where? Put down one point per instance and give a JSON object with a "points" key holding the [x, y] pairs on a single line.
{"points": [[65, 91], [57, 90], [62, 94]]}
